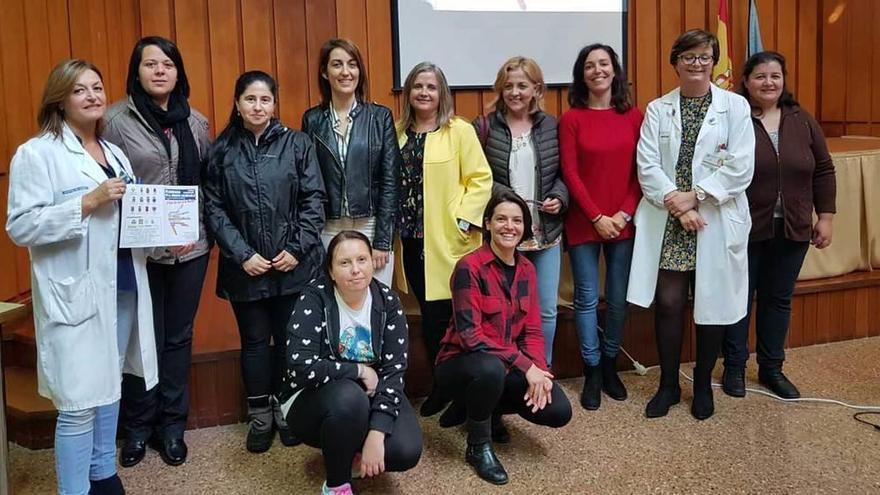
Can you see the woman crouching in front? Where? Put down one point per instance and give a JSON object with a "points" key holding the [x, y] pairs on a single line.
{"points": [[492, 357], [346, 358]]}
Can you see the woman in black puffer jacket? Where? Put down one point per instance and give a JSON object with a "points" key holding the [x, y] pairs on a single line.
{"points": [[263, 204]]}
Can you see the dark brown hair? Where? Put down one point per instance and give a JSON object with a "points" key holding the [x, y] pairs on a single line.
{"points": [[786, 99], [345, 235], [350, 48], [505, 195], [691, 39], [579, 95]]}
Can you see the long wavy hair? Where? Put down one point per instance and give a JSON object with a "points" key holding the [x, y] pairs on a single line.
{"points": [[579, 94], [533, 73]]}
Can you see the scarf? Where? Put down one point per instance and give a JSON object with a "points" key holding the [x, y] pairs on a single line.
{"points": [[175, 118]]}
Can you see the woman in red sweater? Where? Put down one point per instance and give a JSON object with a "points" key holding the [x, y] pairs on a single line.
{"points": [[597, 144], [492, 356]]}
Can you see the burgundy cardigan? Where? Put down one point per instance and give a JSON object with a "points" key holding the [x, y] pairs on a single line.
{"points": [[802, 171]]}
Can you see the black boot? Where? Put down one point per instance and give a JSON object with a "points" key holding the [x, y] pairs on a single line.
{"points": [[454, 415], [107, 486], [666, 397], [591, 395], [774, 380], [611, 383], [480, 454], [709, 340], [733, 381], [260, 432]]}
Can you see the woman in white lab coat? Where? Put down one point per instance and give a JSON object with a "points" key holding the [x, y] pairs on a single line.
{"points": [[92, 309], [695, 161]]}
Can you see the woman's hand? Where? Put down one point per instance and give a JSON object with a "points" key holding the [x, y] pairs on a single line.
{"points": [[256, 265], [678, 203], [284, 261], [110, 190], [369, 378], [540, 386], [552, 206], [692, 221], [822, 231], [373, 454], [380, 259], [182, 250], [606, 227], [619, 221]]}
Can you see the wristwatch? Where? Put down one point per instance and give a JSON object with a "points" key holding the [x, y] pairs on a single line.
{"points": [[700, 193], [464, 225]]}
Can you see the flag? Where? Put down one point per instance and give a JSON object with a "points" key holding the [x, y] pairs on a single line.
{"points": [[755, 44], [722, 74]]}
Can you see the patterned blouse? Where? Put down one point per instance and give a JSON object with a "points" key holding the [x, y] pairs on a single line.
{"points": [[680, 246], [413, 204]]}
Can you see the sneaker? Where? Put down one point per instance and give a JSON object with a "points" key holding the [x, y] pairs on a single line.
{"points": [[339, 490]]}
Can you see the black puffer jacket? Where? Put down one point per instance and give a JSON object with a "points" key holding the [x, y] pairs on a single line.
{"points": [[497, 143], [370, 175], [264, 199]]}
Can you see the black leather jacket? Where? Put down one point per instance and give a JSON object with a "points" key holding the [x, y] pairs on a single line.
{"points": [[264, 198], [371, 173]]}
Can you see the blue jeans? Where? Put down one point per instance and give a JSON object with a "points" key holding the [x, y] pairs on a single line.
{"points": [[85, 440], [547, 263], [585, 271]]}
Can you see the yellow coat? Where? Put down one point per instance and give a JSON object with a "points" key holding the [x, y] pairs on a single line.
{"points": [[456, 184]]}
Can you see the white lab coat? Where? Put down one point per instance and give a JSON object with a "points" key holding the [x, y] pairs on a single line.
{"points": [[73, 273], [723, 163]]}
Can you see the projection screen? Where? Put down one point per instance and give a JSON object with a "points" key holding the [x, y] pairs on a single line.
{"points": [[469, 39]]}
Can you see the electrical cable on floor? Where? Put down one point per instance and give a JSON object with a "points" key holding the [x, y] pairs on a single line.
{"points": [[641, 370]]}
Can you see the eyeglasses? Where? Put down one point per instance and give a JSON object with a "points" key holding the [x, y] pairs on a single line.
{"points": [[690, 58]]}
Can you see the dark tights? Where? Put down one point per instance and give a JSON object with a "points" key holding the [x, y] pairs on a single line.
{"points": [[669, 323]]}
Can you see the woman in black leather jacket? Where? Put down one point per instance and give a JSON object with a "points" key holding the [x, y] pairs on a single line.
{"points": [[356, 146], [264, 206]]}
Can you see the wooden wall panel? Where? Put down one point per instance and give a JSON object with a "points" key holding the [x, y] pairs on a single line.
{"points": [[156, 17], [258, 41], [193, 39], [292, 52], [226, 56], [320, 26]]}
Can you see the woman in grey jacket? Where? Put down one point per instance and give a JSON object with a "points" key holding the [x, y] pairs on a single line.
{"points": [[166, 141]]}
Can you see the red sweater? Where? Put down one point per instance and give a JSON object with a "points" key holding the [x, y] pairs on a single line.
{"points": [[490, 317], [598, 152]]}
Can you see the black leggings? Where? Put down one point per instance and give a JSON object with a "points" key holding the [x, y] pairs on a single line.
{"points": [[487, 388], [435, 314], [671, 299], [336, 419], [259, 321]]}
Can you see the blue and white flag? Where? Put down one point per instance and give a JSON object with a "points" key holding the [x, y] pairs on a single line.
{"points": [[755, 44]]}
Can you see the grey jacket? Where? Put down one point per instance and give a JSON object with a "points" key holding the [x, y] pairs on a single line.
{"points": [[126, 128], [497, 141]]}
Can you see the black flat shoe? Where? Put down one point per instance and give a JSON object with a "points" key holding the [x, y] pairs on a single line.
{"points": [[733, 382], [778, 384], [132, 452], [703, 406], [433, 404], [107, 486], [173, 451], [665, 398], [611, 383], [485, 463], [288, 438], [591, 394]]}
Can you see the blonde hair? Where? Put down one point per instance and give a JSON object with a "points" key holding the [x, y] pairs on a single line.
{"points": [[534, 74], [58, 87], [445, 107]]}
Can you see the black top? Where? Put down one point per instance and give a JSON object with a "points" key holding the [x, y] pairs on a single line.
{"points": [[412, 206], [125, 278]]}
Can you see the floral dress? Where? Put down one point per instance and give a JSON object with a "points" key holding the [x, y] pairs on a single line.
{"points": [[680, 246]]}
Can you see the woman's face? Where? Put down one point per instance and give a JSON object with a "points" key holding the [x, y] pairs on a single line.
{"points": [[157, 73], [425, 94], [697, 71], [518, 92], [598, 71], [342, 72], [86, 103], [256, 105], [505, 226], [765, 83], [352, 266]]}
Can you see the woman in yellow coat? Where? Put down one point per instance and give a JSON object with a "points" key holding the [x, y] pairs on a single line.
{"points": [[445, 185]]}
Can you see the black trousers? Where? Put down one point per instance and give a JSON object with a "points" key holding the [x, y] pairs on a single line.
{"points": [[435, 314], [483, 382], [774, 266], [671, 298], [259, 324], [175, 290], [336, 419]]}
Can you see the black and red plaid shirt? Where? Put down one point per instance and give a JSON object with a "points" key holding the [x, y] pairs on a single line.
{"points": [[491, 316]]}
